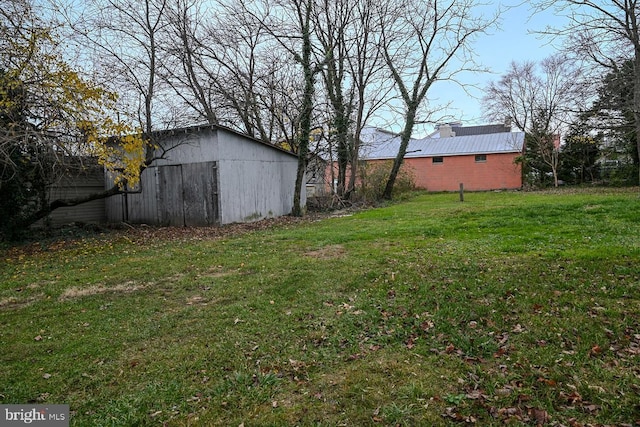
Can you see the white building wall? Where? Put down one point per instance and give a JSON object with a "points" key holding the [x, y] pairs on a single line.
{"points": [[190, 147], [256, 181]]}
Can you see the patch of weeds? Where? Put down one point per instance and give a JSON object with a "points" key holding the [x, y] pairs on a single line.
{"points": [[454, 399], [244, 387], [394, 414]]}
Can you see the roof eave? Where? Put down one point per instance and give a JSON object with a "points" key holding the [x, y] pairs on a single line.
{"points": [[424, 156]]}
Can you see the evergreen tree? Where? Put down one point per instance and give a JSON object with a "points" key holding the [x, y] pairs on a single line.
{"points": [[611, 118], [580, 154]]}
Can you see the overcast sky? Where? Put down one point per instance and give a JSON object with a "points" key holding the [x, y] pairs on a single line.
{"points": [[515, 41]]}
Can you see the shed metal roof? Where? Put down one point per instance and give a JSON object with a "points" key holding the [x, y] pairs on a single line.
{"points": [[199, 128], [379, 144]]}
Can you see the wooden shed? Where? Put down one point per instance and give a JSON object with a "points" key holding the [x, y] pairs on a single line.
{"points": [[88, 180], [209, 175]]}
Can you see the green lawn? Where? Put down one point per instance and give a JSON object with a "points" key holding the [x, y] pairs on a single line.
{"points": [[518, 308]]}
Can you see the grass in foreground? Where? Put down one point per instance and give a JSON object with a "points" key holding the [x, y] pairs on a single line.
{"points": [[519, 308]]}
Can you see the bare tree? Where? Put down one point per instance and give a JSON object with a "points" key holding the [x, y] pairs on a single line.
{"points": [[184, 69], [219, 64], [332, 20], [280, 99], [352, 79], [372, 88], [289, 23], [605, 31], [423, 43], [227, 69], [542, 100], [124, 38]]}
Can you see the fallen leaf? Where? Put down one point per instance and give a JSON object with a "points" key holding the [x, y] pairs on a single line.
{"points": [[540, 416], [475, 395], [523, 398], [426, 325], [503, 391], [572, 398], [591, 408], [46, 376], [509, 411], [503, 338], [411, 342], [38, 338], [550, 383]]}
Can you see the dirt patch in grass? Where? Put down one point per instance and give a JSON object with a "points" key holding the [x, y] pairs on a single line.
{"points": [[197, 300], [51, 241], [327, 252], [79, 292], [217, 272], [13, 302]]}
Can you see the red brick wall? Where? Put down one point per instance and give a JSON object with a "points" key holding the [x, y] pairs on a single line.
{"points": [[499, 171]]}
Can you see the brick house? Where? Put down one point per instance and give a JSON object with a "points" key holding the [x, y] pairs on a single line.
{"points": [[480, 157]]}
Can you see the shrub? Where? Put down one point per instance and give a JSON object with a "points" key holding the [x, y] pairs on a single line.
{"points": [[373, 179]]}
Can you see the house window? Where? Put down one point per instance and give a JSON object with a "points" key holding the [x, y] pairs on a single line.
{"points": [[438, 160], [481, 158]]}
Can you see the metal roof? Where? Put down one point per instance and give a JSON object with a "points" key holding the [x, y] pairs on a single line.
{"points": [[379, 144], [480, 130]]}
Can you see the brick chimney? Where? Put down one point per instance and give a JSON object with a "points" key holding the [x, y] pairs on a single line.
{"points": [[446, 131], [507, 122]]}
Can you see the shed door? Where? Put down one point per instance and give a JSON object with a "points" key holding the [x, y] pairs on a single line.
{"points": [[188, 194], [200, 194], [170, 197]]}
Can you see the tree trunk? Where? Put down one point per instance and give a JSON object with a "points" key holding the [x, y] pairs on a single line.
{"points": [[353, 162], [305, 115], [64, 203], [636, 101], [341, 125], [405, 136]]}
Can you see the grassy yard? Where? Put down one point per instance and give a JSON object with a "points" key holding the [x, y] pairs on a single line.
{"points": [[520, 308]]}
